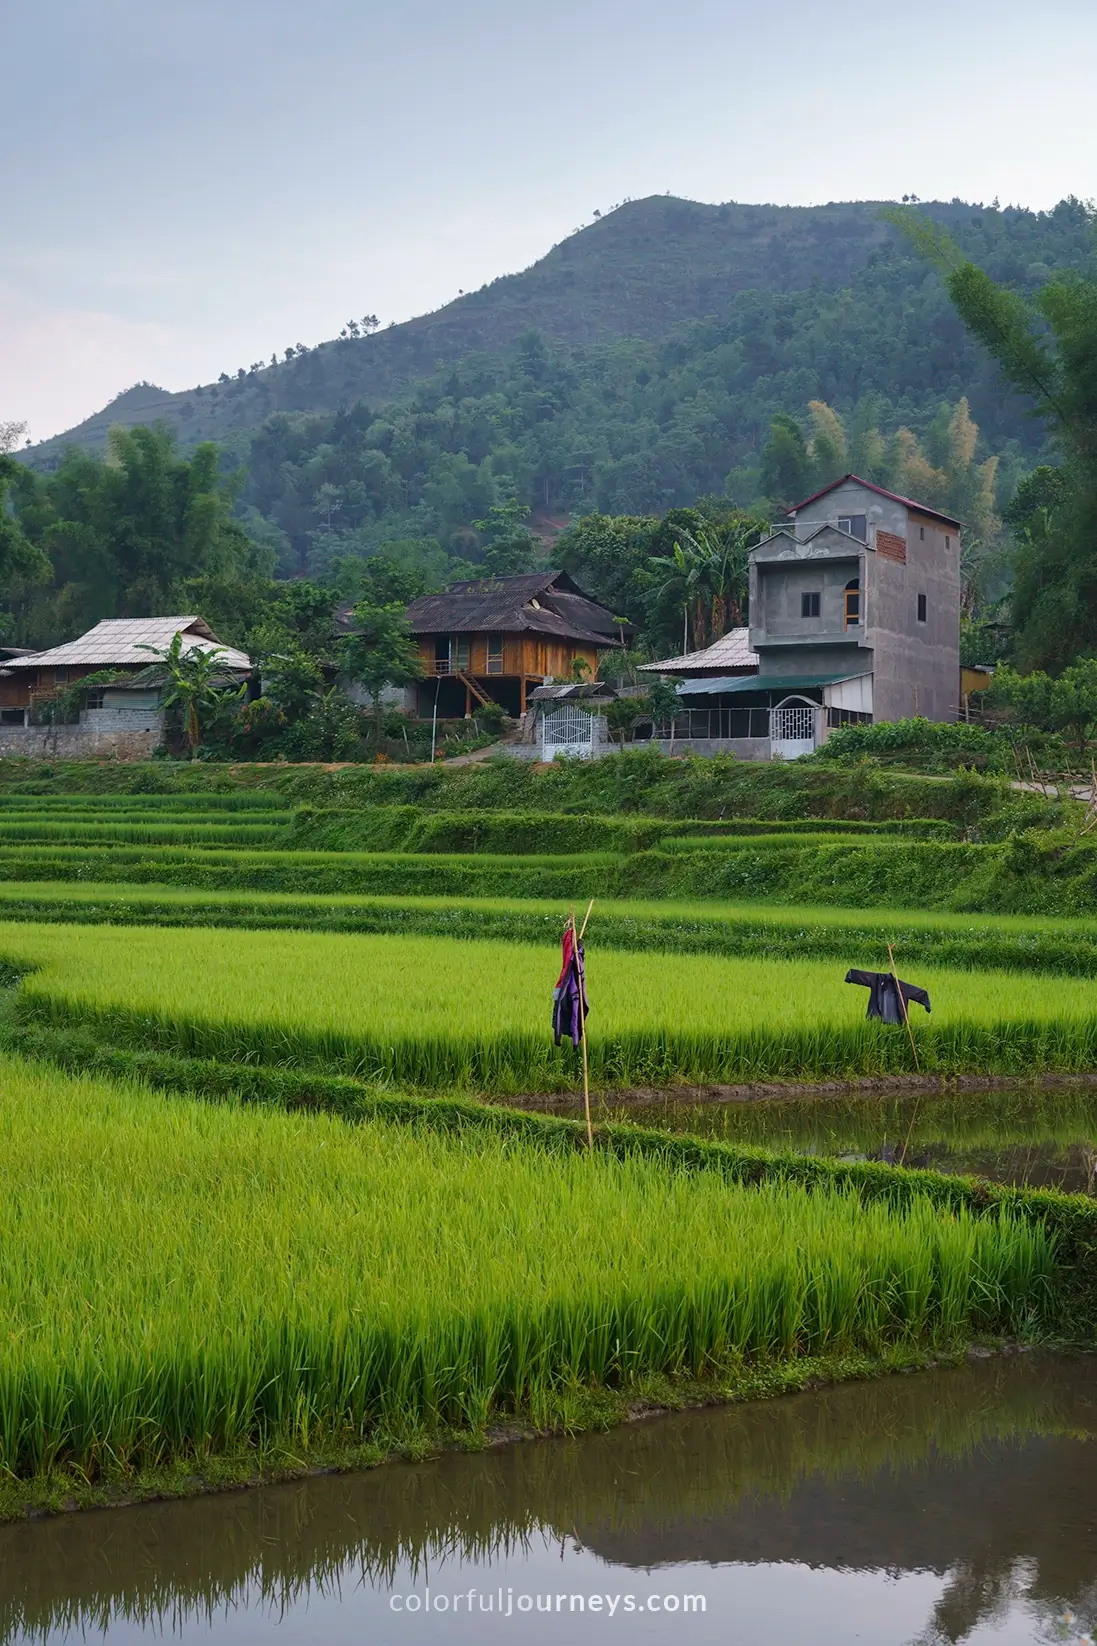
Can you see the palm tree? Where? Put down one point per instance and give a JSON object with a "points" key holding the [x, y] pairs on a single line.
{"points": [[190, 684], [709, 575]]}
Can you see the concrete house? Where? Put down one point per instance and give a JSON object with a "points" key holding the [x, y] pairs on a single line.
{"points": [[854, 618]]}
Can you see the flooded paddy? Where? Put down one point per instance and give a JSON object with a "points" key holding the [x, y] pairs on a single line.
{"points": [[947, 1506], [1041, 1136]]}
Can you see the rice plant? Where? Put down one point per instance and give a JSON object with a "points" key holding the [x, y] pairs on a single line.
{"points": [[436, 1013], [179, 1278]]}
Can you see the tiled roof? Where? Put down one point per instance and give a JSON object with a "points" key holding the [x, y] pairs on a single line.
{"points": [[120, 640], [537, 602], [731, 651]]}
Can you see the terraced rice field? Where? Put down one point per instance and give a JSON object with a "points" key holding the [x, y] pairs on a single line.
{"points": [[217, 1276], [430, 1012]]}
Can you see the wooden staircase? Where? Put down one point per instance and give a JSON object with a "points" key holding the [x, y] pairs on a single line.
{"points": [[478, 692]]}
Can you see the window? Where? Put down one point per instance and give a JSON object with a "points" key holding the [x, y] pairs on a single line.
{"points": [[948, 542], [855, 524], [60, 677], [853, 604], [495, 654], [95, 699], [13, 717], [921, 534], [921, 608], [809, 605]]}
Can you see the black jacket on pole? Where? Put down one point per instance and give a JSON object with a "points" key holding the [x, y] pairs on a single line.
{"points": [[883, 995]]}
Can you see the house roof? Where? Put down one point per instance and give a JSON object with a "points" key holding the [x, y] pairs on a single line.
{"points": [[894, 497], [120, 640], [731, 651], [535, 602]]}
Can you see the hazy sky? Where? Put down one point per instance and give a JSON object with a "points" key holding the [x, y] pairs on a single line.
{"points": [[189, 186]]}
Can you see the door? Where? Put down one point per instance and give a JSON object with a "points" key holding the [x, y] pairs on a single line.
{"points": [[792, 730]]}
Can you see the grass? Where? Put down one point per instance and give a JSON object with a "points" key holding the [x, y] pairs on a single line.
{"points": [[768, 930], [437, 1013], [181, 1277]]}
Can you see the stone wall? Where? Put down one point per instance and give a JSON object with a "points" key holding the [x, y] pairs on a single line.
{"points": [[103, 734]]}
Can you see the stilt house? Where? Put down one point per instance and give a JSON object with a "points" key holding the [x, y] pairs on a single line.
{"points": [[493, 640]]}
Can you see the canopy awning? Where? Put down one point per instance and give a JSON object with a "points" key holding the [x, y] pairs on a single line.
{"points": [[729, 685]]}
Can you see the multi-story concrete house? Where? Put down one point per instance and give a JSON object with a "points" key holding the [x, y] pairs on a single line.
{"points": [[854, 617]]}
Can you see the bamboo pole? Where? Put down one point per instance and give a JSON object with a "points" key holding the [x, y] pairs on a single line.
{"points": [[578, 937], [903, 1007], [914, 1049]]}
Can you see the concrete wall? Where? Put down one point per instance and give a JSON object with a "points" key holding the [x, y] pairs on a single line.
{"points": [[743, 748], [782, 570], [103, 734], [915, 665]]}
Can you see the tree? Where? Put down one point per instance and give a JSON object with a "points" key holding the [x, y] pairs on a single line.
{"points": [[506, 546], [1046, 348], [20, 560], [194, 684], [706, 575], [10, 436], [380, 653], [786, 465], [122, 533]]}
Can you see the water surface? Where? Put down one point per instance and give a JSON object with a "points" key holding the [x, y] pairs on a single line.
{"points": [[957, 1505], [1039, 1136]]}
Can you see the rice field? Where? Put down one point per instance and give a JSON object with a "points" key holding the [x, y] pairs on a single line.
{"points": [[437, 1013], [181, 1278]]}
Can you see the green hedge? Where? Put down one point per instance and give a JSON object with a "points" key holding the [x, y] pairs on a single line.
{"points": [[1072, 1219]]}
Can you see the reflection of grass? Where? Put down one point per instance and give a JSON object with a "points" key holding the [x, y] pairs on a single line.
{"points": [[275, 1548], [967, 1122]]}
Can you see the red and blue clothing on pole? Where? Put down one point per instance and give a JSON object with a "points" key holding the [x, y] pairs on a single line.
{"points": [[569, 998]]}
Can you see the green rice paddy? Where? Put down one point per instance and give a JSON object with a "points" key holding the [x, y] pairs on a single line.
{"points": [[183, 1279], [433, 1013], [180, 1278]]}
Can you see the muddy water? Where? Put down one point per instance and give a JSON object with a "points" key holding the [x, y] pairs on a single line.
{"points": [[946, 1506], [1026, 1135]]}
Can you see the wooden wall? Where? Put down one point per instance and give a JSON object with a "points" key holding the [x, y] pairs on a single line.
{"points": [[531, 656]]}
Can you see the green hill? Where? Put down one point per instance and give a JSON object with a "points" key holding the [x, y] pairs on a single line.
{"points": [[637, 273], [635, 367]]}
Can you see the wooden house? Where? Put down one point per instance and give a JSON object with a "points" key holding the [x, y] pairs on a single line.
{"points": [[126, 645], [493, 640]]}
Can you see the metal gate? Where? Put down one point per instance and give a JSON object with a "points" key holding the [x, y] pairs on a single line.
{"points": [[568, 730], [792, 730]]}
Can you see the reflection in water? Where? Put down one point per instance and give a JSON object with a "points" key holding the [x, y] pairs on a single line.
{"points": [[932, 1508], [1045, 1138]]}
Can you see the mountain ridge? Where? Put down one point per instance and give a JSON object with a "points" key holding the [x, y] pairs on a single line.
{"points": [[636, 273]]}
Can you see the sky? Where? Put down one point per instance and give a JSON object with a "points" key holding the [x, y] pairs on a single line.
{"points": [[191, 185]]}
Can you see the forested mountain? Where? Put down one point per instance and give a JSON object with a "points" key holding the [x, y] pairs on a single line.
{"points": [[824, 292], [636, 368]]}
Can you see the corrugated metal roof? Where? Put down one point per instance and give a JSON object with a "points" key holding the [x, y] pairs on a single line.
{"points": [[731, 651], [762, 683], [120, 640], [894, 497]]}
